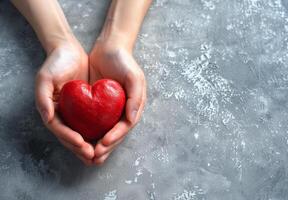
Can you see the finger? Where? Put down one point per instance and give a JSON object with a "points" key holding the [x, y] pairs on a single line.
{"points": [[64, 132], [102, 159], [101, 149], [85, 161], [123, 127], [117, 132], [44, 98], [134, 85], [86, 151], [144, 97]]}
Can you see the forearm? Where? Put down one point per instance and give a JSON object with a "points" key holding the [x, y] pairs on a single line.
{"points": [[47, 19], [123, 22]]}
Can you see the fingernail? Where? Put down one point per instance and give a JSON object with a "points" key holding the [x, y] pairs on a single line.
{"points": [[44, 115], [134, 115]]}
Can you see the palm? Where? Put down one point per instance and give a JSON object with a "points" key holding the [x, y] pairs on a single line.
{"points": [[115, 64], [64, 64]]}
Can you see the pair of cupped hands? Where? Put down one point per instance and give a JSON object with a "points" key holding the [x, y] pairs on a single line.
{"points": [[69, 61]]}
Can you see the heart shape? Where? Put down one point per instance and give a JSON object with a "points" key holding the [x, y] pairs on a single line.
{"points": [[91, 110]]}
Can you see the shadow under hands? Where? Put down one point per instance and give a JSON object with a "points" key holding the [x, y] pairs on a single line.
{"points": [[22, 130]]}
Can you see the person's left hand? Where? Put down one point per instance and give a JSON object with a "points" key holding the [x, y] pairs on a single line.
{"points": [[110, 61]]}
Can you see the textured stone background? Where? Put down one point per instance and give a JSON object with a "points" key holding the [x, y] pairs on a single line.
{"points": [[215, 125]]}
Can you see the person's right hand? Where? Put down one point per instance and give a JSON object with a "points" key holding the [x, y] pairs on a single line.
{"points": [[66, 62]]}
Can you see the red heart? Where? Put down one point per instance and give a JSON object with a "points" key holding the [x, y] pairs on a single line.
{"points": [[91, 110]]}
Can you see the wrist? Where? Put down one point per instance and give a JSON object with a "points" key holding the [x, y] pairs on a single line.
{"points": [[115, 39], [58, 39]]}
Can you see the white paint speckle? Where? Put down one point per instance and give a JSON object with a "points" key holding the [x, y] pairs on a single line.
{"points": [[186, 195], [179, 94], [209, 4], [128, 182], [171, 54], [139, 172], [112, 195], [137, 161], [85, 15], [229, 27]]}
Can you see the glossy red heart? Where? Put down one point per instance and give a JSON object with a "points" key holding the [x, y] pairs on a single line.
{"points": [[91, 110]]}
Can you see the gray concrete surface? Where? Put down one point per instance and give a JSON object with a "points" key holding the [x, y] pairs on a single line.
{"points": [[215, 125]]}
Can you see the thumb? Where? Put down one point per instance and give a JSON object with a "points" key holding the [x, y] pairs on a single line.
{"points": [[44, 98], [134, 85]]}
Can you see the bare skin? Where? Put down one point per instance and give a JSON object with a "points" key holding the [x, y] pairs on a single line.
{"points": [[112, 57], [66, 60]]}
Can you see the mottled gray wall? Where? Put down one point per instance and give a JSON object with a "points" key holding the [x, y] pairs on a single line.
{"points": [[215, 124]]}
